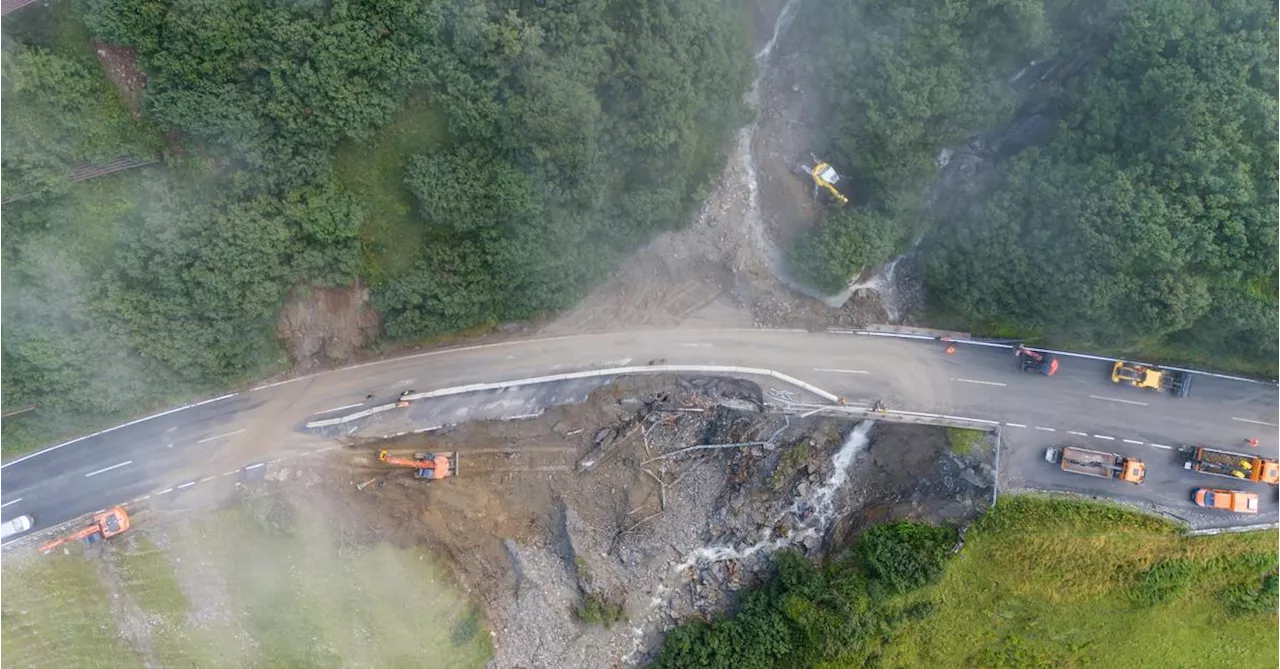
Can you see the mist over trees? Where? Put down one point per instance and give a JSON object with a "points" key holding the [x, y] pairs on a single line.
{"points": [[1144, 221], [573, 131]]}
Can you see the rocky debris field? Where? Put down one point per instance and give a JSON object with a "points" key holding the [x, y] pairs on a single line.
{"points": [[586, 533]]}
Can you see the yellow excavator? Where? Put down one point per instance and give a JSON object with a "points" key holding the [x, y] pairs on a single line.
{"points": [[824, 178]]}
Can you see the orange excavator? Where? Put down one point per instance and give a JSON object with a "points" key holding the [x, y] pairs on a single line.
{"points": [[430, 466], [105, 525]]}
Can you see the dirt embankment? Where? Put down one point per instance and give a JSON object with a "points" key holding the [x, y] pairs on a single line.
{"points": [[593, 513]]}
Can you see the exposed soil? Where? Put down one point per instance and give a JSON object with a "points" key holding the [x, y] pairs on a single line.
{"points": [[588, 504], [120, 63], [321, 326]]}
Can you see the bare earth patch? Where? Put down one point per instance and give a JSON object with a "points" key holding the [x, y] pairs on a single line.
{"points": [[120, 63], [327, 325]]}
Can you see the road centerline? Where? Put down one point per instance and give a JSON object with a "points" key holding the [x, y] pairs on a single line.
{"points": [[107, 469], [1103, 436], [981, 383], [1045, 429], [1117, 399], [218, 436], [15, 501], [840, 371], [1255, 422]]}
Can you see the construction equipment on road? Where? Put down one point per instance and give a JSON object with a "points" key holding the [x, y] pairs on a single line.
{"points": [[1236, 501], [1097, 463], [1152, 378], [105, 525], [1043, 363], [824, 178], [430, 466], [1235, 465]]}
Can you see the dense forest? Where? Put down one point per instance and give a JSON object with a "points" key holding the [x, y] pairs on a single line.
{"points": [[548, 140], [1144, 220]]}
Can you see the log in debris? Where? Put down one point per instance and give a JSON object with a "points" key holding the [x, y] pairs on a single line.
{"points": [[700, 447]]}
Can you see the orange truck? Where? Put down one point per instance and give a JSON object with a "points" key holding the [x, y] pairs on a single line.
{"points": [[1236, 501], [1239, 466], [1097, 463]]}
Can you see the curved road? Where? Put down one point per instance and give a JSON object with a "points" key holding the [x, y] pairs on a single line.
{"points": [[1078, 405]]}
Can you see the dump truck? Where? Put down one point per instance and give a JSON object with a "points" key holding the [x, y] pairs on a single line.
{"points": [[1235, 465], [1040, 362], [429, 466], [1175, 382], [1097, 463], [105, 525], [1236, 501]]}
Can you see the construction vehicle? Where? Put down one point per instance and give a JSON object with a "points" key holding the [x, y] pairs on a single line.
{"points": [[1043, 363], [1097, 463], [1227, 500], [430, 466], [824, 178], [1151, 378], [105, 525], [1235, 465]]}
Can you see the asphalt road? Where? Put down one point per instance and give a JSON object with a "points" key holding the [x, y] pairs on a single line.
{"points": [[1078, 406]]}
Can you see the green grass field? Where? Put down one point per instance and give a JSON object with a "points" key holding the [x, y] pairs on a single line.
{"points": [[1047, 583], [392, 233], [229, 590]]}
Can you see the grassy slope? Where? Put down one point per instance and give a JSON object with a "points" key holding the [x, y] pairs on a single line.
{"points": [[392, 233], [1050, 584], [301, 599]]}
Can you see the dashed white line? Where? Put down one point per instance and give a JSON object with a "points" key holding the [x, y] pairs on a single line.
{"points": [[981, 383], [144, 498], [233, 471], [10, 502], [696, 344], [840, 371], [166, 490], [1131, 441], [1045, 429], [1015, 424], [1078, 434], [188, 484], [272, 462], [1103, 436], [1167, 448], [260, 464], [107, 469], [345, 406], [1117, 399], [207, 478], [1255, 422], [218, 436]]}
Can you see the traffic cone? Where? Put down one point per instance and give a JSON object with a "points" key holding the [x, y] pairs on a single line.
{"points": [[951, 349]]}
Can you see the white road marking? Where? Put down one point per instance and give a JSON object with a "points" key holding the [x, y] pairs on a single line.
{"points": [[273, 385], [11, 502], [207, 478], [1015, 424], [696, 344], [144, 498], [1167, 448], [1131, 441], [840, 371], [345, 406], [117, 427], [1078, 434], [272, 462], [166, 490], [107, 469], [233, 471], [1103, 436], [219, 436], [1117, 399], [1255, 422], [425, 429], [982, 383], [260, 464], [405, 383], [188, 484], [1045, 429]]}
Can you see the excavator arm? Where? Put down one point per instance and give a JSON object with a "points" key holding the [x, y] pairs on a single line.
{"points": [[441, 465], [82, 534]]}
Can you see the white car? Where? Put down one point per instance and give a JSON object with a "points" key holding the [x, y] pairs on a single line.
{"points": [[14, 527]]}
